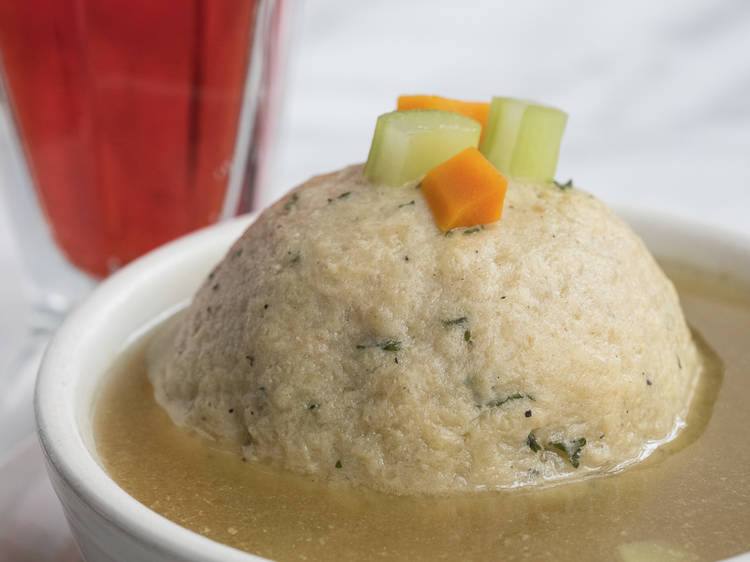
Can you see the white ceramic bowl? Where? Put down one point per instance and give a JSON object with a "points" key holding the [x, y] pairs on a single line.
{"points": [[110, 525]]}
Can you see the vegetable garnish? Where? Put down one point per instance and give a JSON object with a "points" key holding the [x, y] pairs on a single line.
{"points": [[465, 190], [437, 138], [522, 138], [406, 144], [475, 110]]}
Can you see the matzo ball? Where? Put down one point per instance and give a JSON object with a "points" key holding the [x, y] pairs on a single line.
{"points": [[345, 336]]}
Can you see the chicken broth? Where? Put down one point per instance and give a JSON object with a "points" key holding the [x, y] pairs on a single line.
{"points": [[690, 500]]}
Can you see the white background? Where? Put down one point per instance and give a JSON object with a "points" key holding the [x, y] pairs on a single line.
{"points": [[658, 93]]}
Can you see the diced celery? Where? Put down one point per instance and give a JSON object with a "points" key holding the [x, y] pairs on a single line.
{"points": [[522, 138], [407, 144]]}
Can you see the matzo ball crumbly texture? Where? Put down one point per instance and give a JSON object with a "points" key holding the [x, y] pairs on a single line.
{"points": [[345, 336]]}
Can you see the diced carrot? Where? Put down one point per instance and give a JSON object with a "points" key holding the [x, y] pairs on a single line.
{"points": [[465, 190], [475, 110]]}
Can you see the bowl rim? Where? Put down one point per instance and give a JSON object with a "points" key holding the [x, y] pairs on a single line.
{"points": [[58, 428], [56, 417]]}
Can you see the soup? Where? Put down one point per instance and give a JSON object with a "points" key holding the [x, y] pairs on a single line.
{"points": [[689, 500]]}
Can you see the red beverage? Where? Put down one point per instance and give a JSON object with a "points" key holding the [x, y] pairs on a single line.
{"points": [[128, 112]]}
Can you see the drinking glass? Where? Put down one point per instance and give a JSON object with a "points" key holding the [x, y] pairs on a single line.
{"points": [[128, 124]]}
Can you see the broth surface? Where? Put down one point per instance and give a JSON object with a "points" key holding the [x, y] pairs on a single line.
{"points": [[690, 499]]}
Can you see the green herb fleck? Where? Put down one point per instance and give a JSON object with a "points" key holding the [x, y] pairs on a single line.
{"points": [[313, 406], [292, 200], [532, 443], [467, 335], [251, 359], [679, 363], [563, 186], [516, 396], [261, 395], [455, 322], [391, 345], [473, 230], [406, 204], [344, 195], [572, 449], [387, 345], [338, 464]]}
